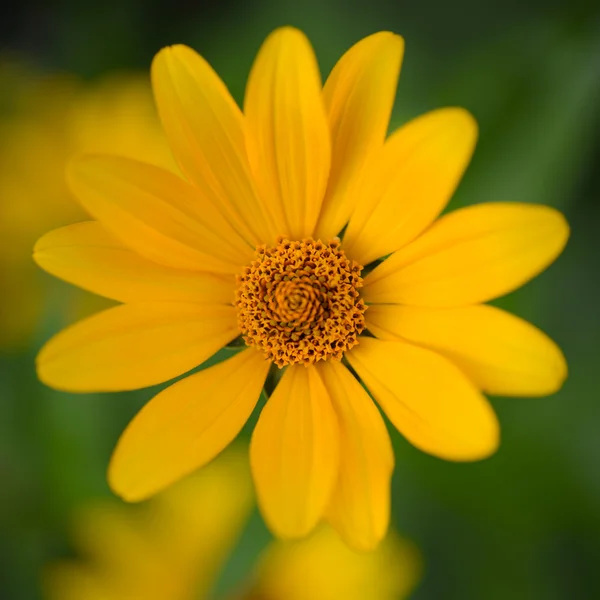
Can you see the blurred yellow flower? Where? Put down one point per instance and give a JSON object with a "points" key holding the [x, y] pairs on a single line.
{"points": [[322, 567], [169, 549], [174, 547], [266, 193], [46, 120]]}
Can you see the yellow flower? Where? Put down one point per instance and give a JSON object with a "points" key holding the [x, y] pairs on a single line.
{"points": [[174, 547], [168, 549], [266, 193], [322, 567], [49, 118]]}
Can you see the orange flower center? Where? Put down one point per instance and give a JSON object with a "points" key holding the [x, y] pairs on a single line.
{"points": [[298, 301]]}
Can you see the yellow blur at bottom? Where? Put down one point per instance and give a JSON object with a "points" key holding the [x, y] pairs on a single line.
{"points": [[322, 567], [174, 546], [169, 548]]}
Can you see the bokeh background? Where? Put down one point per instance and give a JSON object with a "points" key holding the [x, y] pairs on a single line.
{"points": [[523, 525]]}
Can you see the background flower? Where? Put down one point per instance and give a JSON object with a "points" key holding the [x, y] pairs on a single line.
{"points": [[47, 120], [174, 547]]}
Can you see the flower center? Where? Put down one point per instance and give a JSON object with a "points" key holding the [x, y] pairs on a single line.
{"points": [[298, 301]]}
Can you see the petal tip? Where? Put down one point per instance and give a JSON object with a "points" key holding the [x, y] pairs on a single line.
{"points": [[363, 540], [287, 31], [389, 37], [288, 531], [285, 526], [122, 480], [42, 361], [47, 375], [455, 120], [173, 49], [485, 444], [562, 225], [288, 36], [555, 227], [465, 120], [366, 545], [120, 488], [167, 60], [37, 252], [392, 46], [488, 442], [560, 375], [159, 59], [41, 372]]}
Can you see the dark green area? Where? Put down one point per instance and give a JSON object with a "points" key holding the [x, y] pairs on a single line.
{"points": [[523, 525]]}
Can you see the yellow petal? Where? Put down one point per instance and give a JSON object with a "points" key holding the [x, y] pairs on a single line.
{"points": [[428, 399], [360, 505], [501, 353], [408, 184], [322, 567], [86, 255], [359, 96], [205, 129], [287, 132], [186, 425], [134, 345], [294, 453], [470, 256], [157, 214]]}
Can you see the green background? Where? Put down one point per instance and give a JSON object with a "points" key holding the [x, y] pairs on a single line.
{"points": [[523, 525]]}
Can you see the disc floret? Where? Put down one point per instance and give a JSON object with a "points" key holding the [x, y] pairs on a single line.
{"points": [[299, 301]]}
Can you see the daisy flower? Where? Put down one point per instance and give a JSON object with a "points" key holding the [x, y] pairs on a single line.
{"points": [[276, 232], [174, 547]]}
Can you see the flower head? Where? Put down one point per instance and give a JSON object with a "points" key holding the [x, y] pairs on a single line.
{"points": [[266, 236], [298, 302]]}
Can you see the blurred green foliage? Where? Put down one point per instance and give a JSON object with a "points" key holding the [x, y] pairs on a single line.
{"points": [[523, 525]]}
